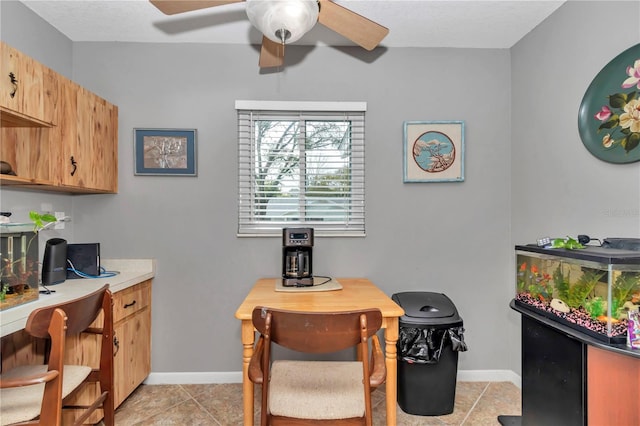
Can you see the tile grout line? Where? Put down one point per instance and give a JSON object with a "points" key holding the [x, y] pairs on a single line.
{"points": [[201, 406], [475, 403]]}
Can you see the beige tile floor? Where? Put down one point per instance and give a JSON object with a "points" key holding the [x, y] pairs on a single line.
{"points": [[476, 403]]}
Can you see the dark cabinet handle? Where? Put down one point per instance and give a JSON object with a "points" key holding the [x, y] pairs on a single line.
{"points": [[74, 164], [128, 305], [14, 83], [116, 343]]}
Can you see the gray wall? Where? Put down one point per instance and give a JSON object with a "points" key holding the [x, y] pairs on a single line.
{"points": [[454, 238], [418, 236], [29, 33], [557, 187]]}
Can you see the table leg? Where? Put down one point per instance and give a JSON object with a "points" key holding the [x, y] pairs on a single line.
{"points": [[390, 338], [248, 340]]}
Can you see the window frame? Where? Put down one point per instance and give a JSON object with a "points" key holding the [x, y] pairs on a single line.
{"points": [[250, 111]]}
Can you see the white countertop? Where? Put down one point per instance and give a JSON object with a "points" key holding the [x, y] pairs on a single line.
{"points": [[131, 272]]}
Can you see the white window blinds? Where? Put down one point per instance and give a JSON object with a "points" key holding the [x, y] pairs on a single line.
{"points": [[301, 164]]}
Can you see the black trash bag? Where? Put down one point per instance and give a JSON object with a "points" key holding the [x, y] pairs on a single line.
{"points": [[424, 345], [457, 339]]}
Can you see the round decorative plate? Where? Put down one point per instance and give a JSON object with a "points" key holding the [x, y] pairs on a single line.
{"points": [[609, 115]]}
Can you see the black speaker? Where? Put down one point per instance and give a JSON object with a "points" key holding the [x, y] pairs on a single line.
{"points": [[54, 263]]}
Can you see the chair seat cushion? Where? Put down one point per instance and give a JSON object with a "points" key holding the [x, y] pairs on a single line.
{"points": [[23, 403], [321, 390]]}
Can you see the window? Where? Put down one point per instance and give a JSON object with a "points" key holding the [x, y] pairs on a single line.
{"points": [[301, 164]]}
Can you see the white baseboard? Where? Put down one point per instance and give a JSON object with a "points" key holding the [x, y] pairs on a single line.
{"points": [[236, 377], [193, 378]]}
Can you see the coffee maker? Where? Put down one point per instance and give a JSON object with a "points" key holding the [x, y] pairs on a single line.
{"points": [[297, 247]]}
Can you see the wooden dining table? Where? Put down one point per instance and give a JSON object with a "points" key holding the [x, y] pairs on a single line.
{"points": [[356, 293]]}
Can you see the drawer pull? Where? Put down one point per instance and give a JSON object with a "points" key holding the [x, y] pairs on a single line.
{"points": [[116, 343], [128, 305]]}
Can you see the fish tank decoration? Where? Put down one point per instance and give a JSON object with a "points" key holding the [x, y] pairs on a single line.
{"points": [[19, 272], [592, 289]]}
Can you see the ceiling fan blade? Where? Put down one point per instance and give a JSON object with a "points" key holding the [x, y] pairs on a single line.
{"points": [[171, 7], [271, 54], [356, 28]]}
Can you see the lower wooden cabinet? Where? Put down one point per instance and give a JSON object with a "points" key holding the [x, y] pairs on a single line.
{"points": [[132, 340]]}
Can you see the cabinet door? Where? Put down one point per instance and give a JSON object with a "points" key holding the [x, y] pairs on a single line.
{"points": [[64, 137], [22, 85], [132, 316], [97, 149], [86, 134], [104, 134]]}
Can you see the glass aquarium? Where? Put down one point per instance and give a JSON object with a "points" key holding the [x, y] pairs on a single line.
{"points": [[591, 289], [18, 265]]}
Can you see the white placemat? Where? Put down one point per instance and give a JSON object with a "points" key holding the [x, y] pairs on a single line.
{"points": [[318, 285]]}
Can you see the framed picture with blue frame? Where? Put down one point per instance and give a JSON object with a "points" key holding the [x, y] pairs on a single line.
{"points": [[165, 152], [433, 151]]}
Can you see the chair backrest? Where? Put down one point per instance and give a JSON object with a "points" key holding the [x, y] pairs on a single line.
{"points": [[316, 332], [81, 313]]}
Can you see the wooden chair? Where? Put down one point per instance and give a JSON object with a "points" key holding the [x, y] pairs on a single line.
{"points": [[317, 392], [36, 394]]}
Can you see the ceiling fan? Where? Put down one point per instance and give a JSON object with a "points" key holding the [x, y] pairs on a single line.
{"points": [[286, 21]]}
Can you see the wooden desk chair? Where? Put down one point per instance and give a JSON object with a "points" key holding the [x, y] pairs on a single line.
{"points": [[317, 392], [35, 394]]}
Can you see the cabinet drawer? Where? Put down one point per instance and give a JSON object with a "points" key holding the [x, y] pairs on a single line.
{"points": [[131, 300]]}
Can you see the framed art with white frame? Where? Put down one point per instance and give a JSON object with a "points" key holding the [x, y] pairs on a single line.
{"points": [[433, 151]]}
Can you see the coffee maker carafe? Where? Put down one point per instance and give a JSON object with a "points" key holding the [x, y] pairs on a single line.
{"points": [[297, 248]]}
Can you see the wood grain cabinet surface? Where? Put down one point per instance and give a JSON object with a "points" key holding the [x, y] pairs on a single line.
{"points": [[24, 92], [57, 135], [132, 324]]}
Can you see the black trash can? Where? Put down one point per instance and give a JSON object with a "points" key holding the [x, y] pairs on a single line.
{"points": [[430, 337]]}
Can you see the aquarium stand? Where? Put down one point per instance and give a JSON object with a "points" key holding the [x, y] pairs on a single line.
{"points": [[571, 378], [510, 420]]}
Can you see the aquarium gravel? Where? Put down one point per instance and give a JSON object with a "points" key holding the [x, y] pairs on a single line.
{"points": [[579, 316]]}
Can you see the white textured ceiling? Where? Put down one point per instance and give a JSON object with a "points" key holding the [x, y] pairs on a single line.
{"points": [[411, 23]]}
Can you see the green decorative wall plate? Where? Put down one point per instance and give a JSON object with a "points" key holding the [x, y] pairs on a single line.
{"points": [[609, 115]]}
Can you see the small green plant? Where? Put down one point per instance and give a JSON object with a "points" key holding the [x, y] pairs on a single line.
{"points": [[3, 291], [595, 306], [12, 281], [581, 290], [39, 220], [562, 284], [566, 243], [623, 289], [537, 284]]}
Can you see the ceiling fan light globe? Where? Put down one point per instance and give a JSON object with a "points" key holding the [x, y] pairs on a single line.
{"points": [[274, 18]]}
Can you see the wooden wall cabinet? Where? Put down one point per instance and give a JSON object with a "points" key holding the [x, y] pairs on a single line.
{"points": [[57, 135]]}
